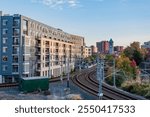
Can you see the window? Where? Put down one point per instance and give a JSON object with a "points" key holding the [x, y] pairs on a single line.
{"points": [[25, 27], [26, 68], [4, 67], [15, 50], [5, 58], [4, 49], [5, 31], [15, 59], [15, 68], [16, 40], [16, 22], [16, 32], [5, 22], [5, 40], [56, 44]]}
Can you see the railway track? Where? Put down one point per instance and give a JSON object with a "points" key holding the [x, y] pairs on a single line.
{"points": [[8, 85], [5, 85], [87, 81]]}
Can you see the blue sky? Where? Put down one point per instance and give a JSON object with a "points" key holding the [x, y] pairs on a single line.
{"points": [[123, 20]]}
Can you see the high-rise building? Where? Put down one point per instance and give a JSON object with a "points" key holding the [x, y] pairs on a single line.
{"points": [[30, 48], [111, 46], [94, 50], [105, 47]]}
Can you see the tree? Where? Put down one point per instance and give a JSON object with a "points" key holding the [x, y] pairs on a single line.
{"points": [[124, 63], [135, 52]]}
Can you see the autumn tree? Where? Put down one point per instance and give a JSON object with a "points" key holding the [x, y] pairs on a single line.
{"points": [[135, 52]]}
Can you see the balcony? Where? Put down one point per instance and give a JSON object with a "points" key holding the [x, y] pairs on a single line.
{"points": [[15, 52], [15, 61], [47, 45], [38, 45], [38, 61], [15, 43], [15, 34], [15, 24], [47, 59], [15, 71], [38, 53], [38, 69]]}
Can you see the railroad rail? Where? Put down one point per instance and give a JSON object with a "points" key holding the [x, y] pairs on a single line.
{"points": [[4, 85], [87, 81], [8, 85]]}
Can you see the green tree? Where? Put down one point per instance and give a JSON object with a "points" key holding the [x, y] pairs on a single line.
{"points": [[135, 52]]}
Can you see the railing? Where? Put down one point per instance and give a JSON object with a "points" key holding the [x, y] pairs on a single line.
{"points": [[15, 43], [15, 52], [15, 61]]}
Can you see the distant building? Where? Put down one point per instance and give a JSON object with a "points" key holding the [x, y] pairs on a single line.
{"points": [[87, 51], [93, 49], [111, 46], [105, 47], [146, 45], [118, 49]]}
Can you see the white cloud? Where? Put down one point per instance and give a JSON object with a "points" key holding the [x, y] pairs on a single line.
{"points": [[58, 3]]}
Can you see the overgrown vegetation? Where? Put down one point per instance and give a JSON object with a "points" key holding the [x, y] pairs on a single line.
{"points": [[127, 63], [137, 88]]}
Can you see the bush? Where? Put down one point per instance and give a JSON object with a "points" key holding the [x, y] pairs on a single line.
{"points": [[136, 88]]}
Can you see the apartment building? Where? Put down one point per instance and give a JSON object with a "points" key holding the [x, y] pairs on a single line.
{"points": [[105, 47], [94, 50], [146, 45], [118, 49], [87, 51], [31, 48]]}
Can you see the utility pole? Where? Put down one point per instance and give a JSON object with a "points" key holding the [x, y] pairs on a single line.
{"points": [[61, 71], [100, 75], [98, 67], [30, 69], [114, 74], [68, 75], [49, 68], [80, 63]]}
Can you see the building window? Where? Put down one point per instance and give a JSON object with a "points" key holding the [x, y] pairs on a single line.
{"points": [[5, 40], [4, 67], [26, 68], [5, 58], [16, 22], [15, 68], [15, 59], [16, 41], [5, 22], [16, 32], [4, 49], [5, 31], [25, 27], [15, 50]]}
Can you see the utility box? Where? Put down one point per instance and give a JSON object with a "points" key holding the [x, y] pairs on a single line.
{"points": [[32, 84]]}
